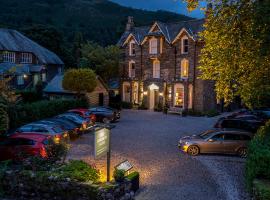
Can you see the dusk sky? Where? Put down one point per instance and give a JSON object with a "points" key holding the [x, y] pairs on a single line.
{"points": [[171, 5]]}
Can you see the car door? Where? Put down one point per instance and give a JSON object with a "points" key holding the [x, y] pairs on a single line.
{"points": [[214, 144], [231, 142]]}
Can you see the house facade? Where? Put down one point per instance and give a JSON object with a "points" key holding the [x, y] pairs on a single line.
{"points": [[160, 66], [25, 61]]}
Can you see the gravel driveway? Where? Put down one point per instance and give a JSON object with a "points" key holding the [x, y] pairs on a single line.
{"points": [[149, 141]]}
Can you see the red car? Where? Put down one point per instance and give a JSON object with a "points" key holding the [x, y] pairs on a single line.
{"points": [[85, 113], [24, 144]]}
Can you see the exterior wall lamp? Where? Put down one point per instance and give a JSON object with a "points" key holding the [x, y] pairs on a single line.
{"points": [[145, 93]]}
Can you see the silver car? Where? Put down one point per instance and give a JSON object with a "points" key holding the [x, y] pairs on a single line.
{"points": [[230, 141]]}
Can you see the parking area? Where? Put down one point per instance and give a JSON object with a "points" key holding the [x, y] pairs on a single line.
{"points": [[149, 141]]}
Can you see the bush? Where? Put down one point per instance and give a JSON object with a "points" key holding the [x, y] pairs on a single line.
{"points": [[126, 105], [258, 161], [134, 178], [211, 113], [30, 112], [119, 175], [30, 96], [192, 113], [261, 189], [158, 108]]}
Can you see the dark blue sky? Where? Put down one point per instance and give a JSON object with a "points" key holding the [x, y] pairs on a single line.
{"points": [[171, 5]]}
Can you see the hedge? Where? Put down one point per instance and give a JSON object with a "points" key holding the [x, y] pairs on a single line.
{"points": [[29, 112], [258, 161], [261, 189]]}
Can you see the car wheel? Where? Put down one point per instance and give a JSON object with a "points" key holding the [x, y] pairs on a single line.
{"points": [[106, 120], [242, 152], [193, 150]]}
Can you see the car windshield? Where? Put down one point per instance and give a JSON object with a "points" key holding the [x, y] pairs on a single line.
{"points": [[206, 134]]}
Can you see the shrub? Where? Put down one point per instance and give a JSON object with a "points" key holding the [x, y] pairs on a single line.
{"points": [[192, 113], [258, 161], [158, 108], [211, 113], [261, 189], [30, 112], [30, 96], [4, 119], [126, 105], [134, 178], [119, 175]]}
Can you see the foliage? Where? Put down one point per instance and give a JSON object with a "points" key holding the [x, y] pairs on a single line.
{"points": [[119, 175], [4, 119], [133, 175], [29, 96], [258, 161], [235, 55], [159, 107], [104, 61], [80, 80], [30, 112], [142, 106], [262, 189], [192, 112], [3, 168], [211, 113], [126, 105]]}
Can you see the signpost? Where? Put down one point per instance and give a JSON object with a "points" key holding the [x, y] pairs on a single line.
{"points": [[103, 147]]}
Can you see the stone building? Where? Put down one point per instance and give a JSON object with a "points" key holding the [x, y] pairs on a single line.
{"points": [[160, 65]]}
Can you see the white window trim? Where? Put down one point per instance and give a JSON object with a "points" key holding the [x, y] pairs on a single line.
{"points": [[130, 73], [9, 57], [20, 80], [26, 58], [156, 69], [182, 45], [179, 85], [153, 50], [44, 76], [183, 64], [132, 42]]}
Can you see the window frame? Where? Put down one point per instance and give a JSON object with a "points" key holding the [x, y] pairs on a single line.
{"points": [[9, 57], [20, 80], [131, 72], [26, 58], [184, 68], [156, 69], [183, 45], [132, 50], [153, 50]]}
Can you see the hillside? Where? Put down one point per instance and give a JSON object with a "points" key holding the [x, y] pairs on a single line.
{"points": [[53, 22]]}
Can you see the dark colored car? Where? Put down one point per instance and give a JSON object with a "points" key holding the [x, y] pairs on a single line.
{"points": [[103, 115], [244, 124], [53, 130], [230, 141], [85, 113], [84, 123], [116, 112], [19, 144]]}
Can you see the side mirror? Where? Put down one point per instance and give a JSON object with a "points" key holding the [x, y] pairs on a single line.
{"points": [[211, 140]]}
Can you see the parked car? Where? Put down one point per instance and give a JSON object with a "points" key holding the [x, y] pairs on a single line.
{"points": [[238, 123], [47, 129], [116, 112], [103, 115], [230, 141], [85, 113], [84, 123], [26, 144]]}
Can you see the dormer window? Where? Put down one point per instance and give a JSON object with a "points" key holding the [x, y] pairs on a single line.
{"points": [[132, 51], [184, 47], [9, 57], [26, 58], [153, 47], [184, 68], [131, 70]]}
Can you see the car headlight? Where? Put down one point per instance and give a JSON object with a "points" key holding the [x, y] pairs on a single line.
{"points": [[186, 143]]}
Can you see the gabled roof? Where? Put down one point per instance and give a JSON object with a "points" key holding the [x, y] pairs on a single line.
{"points": [[169, 30], [12, 40]]}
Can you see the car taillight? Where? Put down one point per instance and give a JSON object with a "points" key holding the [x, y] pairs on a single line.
{"points": [[57, 139], [84, 125], [43, 152], [93, 118]]}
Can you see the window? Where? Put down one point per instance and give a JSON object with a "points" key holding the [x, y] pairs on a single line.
{"points": [[20, 80], [179, 95], [161, 45], [44, 77], [156, 69], [132, 51], [184, 68], [38, 129], [190, 96], [36, 79], [184, 42], [26, 58], [9, 57], [131, 71], [153, 46], [218, 137]]}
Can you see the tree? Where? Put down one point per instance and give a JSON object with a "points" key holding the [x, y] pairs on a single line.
{"points": [[104, 61], [80, 80], [4, 119], [235, 53]]}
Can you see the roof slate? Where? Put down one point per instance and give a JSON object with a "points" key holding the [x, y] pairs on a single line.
{"points": [[12, 40], [169, 30]]}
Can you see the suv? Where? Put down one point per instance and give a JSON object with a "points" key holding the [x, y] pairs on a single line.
{"points": [[231, 141]]}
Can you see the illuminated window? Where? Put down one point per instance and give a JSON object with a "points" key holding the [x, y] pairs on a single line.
{"points": [[26, 58], [156, 69], [190, 96], [179, 95], [44, 77], [9, 57], [184, 68], [131, 70], [20, 80], [132, 48], [153, 46], [161, 45], [184, 42]]}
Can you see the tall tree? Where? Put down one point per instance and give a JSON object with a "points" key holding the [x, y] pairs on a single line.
{"points": [[235, 54]]}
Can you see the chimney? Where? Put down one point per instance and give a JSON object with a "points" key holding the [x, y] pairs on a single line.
{"points": [[130, 24]]}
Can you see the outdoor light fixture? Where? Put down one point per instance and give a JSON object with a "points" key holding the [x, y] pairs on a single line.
{"points": [[160, 94], [145, 93], [24, 76]]}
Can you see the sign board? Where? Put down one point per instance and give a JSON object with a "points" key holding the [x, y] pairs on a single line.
{"points": [[126, 166], [102, 142]]}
